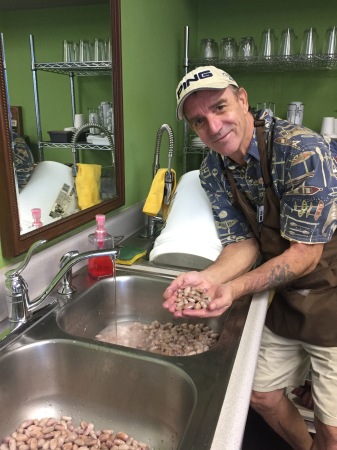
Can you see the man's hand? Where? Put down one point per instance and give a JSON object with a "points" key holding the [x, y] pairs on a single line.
{"points": [[221, 296]]}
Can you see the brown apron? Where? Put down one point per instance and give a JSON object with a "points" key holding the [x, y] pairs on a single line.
{"points": [[306, 309]]}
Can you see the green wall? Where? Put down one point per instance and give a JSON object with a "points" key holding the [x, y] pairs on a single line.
{"points": [[153, 36]]}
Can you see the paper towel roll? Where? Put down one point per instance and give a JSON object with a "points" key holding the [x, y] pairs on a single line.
{"points": [[42, 190], [189, 238]]}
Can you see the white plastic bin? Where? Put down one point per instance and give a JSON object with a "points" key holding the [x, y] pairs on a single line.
{"points": [[42, 190], [189, 238]]}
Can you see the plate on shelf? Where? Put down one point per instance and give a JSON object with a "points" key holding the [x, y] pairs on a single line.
{"points": [[197, 143]]}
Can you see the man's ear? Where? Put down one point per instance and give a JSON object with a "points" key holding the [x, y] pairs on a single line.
{"points": [[243, 98]]}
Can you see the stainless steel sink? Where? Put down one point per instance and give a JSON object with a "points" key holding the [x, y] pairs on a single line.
{"points": [[150, 400], [133, 296], [55, 366]]}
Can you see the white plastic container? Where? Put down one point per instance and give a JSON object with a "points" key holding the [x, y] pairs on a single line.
{"points": [[48, 180], [189, 238]]}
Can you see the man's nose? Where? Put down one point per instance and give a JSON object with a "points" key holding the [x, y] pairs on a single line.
{"points": [[214, 125]]}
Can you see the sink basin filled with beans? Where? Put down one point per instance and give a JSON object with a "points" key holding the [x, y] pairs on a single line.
{"points": [[59, 394], [128, 311]]}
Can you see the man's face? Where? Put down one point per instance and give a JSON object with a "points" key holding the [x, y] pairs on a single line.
{"points": [[220, 119]]}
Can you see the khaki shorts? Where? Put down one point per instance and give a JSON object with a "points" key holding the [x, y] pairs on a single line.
{"points": [[285, 363]]}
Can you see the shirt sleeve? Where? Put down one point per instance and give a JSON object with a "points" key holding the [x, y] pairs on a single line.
{"points": [[230, 223]]}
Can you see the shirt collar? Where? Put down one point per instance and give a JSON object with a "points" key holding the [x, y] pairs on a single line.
{"points": [[252, 154], [253, 151]]}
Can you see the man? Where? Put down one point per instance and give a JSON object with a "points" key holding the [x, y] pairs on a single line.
{"points": [[273, 190]]}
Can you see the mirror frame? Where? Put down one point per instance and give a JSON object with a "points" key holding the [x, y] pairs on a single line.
{"points": [[14, 244]]}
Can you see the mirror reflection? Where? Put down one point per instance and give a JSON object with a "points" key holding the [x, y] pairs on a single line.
{"points": [[51, 186], [64, 93]]}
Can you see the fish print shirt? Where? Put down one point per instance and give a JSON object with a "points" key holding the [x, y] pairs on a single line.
{"points": [[304, 174]]}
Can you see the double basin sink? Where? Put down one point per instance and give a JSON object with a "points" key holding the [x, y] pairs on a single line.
{"points": [[57, 367]]}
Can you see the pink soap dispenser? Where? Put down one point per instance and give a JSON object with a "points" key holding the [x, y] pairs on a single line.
{"points": [[100, 266], [36, 213]]}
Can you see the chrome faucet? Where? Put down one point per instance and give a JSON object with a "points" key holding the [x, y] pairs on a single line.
{"points": [[87, 127], [151, 229], [20, 308], [156, 164]]}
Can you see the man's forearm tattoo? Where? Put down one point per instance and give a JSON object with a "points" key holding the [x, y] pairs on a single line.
{"points": [[281, 275]]}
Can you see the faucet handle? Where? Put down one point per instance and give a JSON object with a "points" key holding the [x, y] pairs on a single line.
{"points": [[67, 288], [67, 257], [15, 272]]}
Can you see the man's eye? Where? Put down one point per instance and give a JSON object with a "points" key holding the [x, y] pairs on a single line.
{"points": [[197, 122], [220, 108]]}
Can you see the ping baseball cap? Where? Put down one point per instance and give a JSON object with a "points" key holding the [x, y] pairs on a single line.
{"points": [[206, 77]]}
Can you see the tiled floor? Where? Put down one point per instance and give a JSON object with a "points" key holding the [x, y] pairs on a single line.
{"points": [[259, 436]]}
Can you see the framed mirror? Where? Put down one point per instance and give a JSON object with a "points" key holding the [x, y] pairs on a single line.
{"points": [[13, 241]]}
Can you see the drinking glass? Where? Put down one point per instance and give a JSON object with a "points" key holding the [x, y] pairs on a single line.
{"points": [[269, 106], [330, 42], [93, 115], [267, 44], [84, 53], [228, 48], [209, 49], [287, 43], [76, 51], [328, 126], [247, 48], [309, 43], [295, 113], [99, 50], [68, 51], [78, 120], [108, 50]]}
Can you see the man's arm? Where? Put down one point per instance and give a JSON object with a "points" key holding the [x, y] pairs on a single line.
{"points": [[235, 260], [298, 260]]}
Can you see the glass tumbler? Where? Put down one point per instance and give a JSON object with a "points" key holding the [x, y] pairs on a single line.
{"points": [[84, 54], [108, 54], [247, 48], [309, 43], [93, 115], [268, 106], [209, 49], [295, 113], [99, 50], [267, 44], [330, 42], [287, 43], [228, 48], [68, 51]]}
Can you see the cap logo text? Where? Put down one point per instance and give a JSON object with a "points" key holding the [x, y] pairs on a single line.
{"points": [[198, 76]]}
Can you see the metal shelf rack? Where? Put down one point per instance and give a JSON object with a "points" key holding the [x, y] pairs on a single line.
{"points": [[274, 64], [79, 145], [278, 64], [88, 68], [71, 69]]}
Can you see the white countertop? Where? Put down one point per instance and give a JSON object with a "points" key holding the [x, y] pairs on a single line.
{"points": [[231, 424]]}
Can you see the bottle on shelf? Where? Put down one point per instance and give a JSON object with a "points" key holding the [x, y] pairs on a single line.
{"points": [[100, 266]]}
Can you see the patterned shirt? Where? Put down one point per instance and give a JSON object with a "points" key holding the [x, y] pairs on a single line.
{"points": [[304, 174]]}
